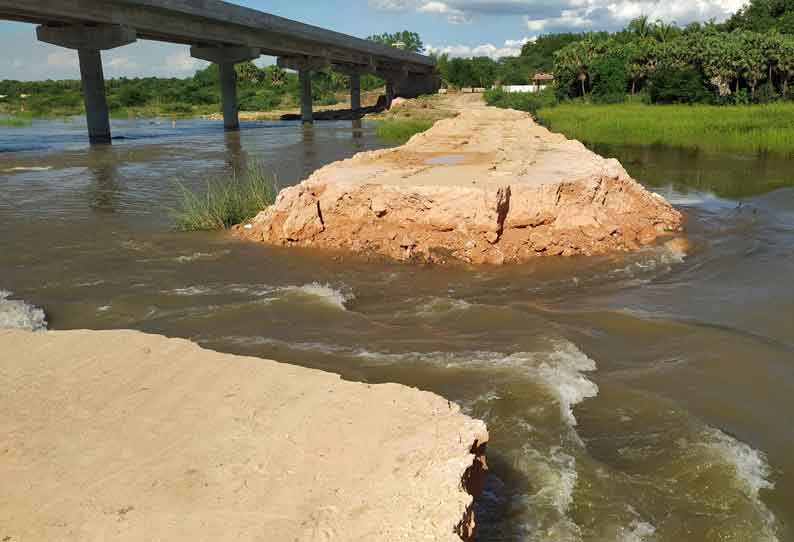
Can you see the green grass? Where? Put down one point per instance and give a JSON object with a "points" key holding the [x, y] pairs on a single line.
{"points": [[530, 102], [759, 128], [225, 202], [401, 130], [13, 122]]}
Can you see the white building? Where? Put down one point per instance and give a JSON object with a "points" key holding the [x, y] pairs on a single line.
{"points": [[539, 82]]}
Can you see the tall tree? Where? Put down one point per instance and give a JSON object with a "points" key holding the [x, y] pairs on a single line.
{"points": [[785, 62], [764, 15], [664, 32], [753, 63], [483, 71], [408, 41], [538, 55], [641, 27], [574, 60]]}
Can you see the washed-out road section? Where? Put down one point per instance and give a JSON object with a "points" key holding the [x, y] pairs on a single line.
{"points": [[125, 436], [487, 186]]}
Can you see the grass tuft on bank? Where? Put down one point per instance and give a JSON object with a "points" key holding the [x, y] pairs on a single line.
{"points": [[401, 130], [226, 201], [13, 122], [753, 129]]}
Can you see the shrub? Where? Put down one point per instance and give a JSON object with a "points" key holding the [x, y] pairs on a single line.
{"points": [[226, 202], [609, 80], [67, 102], [203, 96], [677, 86], [259, 101], [131, 96], [522, 101], [178, 108], [326, 99], [767, 94]]}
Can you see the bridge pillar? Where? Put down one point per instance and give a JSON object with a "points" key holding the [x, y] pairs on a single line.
{"points": [[304, 65], [231, 114], [305, 78], [389, 93], [89, 41], [355, 91], [96, 106], [226, 58]]}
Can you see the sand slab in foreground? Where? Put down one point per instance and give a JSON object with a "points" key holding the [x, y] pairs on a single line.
{"points": [[130, 437], [488, 186]]}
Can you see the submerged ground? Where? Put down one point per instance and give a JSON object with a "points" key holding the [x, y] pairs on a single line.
{"points": [[641, 397]]}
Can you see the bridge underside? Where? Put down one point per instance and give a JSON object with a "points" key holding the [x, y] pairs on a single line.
{"points": [[219, 32]]}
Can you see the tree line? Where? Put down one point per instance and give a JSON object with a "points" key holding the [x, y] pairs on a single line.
{"points": [[483, 71], [747, 59], [258, 89], [726, 63]]}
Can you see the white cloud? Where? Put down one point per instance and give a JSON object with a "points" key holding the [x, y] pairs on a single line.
{"points": [[611, 15], [62, 58], [121, 63], [453, 15], [510, 48], [182, 62], [561, 15]]}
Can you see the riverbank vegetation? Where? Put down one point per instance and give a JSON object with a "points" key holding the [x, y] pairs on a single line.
{"points": [[259, 89], [761, 128], [15, 122], [225, 201], [401, 130]]}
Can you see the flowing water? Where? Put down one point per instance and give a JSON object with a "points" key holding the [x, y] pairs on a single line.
{"points": [[634, 398]]}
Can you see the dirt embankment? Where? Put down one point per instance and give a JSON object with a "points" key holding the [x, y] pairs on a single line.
{"points": [[128, 437], [487, 186]]}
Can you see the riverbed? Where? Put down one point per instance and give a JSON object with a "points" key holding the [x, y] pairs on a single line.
{"points": [[634, 397]]}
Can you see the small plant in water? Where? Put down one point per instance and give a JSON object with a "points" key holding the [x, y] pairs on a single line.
{"points": [[226, 201]]}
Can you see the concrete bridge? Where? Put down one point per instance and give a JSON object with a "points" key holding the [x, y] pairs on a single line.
{"points": [[218, 32]]}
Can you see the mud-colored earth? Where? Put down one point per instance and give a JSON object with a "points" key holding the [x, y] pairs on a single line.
{"points": [[486, 186], [124, 436]]}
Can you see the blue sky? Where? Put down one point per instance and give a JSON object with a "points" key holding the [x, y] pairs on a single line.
{"points": [[459, 27]]}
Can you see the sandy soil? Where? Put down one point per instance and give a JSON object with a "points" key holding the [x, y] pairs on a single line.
{"points": [[487, 186], [433, 108], [130, 437]]}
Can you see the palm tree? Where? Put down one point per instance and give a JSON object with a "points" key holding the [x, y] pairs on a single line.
{"points": [[664, 32], [640, 27]]}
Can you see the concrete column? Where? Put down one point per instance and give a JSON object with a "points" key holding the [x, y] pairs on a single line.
{"points": [[389, 93], [226, 58], [355, 92], [231, 118], [89, 41], [305, 78], [96, 107]]}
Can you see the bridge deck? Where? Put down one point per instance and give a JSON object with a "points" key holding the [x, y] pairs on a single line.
{"points": [[213, 22]]}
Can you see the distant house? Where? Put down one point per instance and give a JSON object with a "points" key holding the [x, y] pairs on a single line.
{"points": [[542, 80]]}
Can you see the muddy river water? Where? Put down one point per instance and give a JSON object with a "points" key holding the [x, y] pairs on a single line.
{"points": [[641, 398]]}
